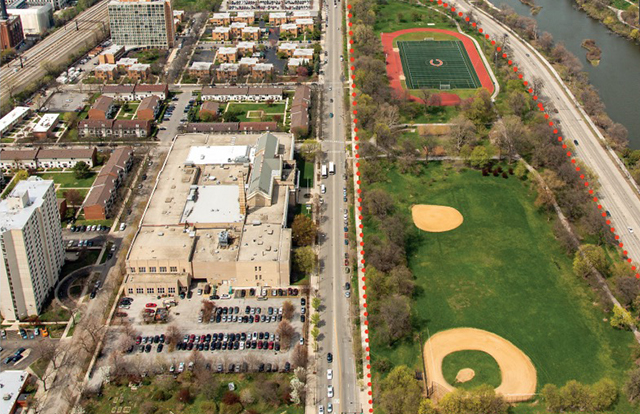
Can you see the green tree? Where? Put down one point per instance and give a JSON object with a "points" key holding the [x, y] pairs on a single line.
{"points": [[481, 400], [304, 230], [521, 170], [632, 386], [426, 407], [315, 318], [603, 394], [480, 157], [590, 255], [315, 332], [400, 393], [305, 260], [81, 170], [621, 318], [310, 150], [481, 109], [315, 303]]}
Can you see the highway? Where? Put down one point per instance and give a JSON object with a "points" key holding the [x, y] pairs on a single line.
{"points": [[55, 48], [335, 335], [616, 194]]}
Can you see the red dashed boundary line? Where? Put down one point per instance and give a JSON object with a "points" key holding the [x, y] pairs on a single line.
{"points": [[360, 244]]}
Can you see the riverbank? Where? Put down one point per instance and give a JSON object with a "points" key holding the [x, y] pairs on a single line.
{"points": [[593, 52], [626, 25]]}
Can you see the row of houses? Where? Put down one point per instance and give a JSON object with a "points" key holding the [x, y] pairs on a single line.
{"points": [[102, 196], [225, 19], [221, 127], [105, 108], [46, 158], [242, 93], [269, 5], [138, 72], [136, 92], [235, 31], [300, 111], [114, 128]]}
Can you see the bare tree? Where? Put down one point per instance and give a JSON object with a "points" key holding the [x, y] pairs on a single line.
{"points": [[300, 356], [55, 353], [288, 309], [207, 309], [173, 336], [506, 132], [286, 332], [91, 330], [462, 132]]}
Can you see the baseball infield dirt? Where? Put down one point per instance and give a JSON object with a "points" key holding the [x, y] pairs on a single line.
{"points": [[436, 219], [518, 373], [465, 374]]}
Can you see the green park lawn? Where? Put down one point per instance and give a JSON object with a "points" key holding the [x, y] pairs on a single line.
{"points": [[485, 367], [394, 16], [129, 112], [69, 180], [502, 271], [269, 111], [418, 36]]}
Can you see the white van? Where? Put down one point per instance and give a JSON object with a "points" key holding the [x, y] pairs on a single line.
{"points": [[323, 188], [332, 168], [122, 226], [324, 171]]}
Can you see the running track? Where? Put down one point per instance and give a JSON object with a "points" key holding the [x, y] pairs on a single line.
{"points": [[394, 65]]}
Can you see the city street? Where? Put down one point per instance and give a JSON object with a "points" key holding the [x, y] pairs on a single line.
{"points": [[615, 194], [335, 335]]}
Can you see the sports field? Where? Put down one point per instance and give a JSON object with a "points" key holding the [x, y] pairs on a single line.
{"points": [[501, 271], [433, 64]]}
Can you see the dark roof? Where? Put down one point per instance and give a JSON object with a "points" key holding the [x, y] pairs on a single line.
{"points": [[150, 102], [265, 91], [103, 103], [104, 184], [258, 126], [132, 123], [237, 90], [118, 89], [67, 153], [213, 127], [302, 97], [151, 88], [18, 154], [96, 123], [299, 119]]}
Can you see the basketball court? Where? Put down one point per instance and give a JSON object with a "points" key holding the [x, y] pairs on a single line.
{"points": [[431, 64]]}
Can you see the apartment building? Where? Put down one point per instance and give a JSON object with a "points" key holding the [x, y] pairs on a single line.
{"points": [[46, 158], [142, 23], [102, 196], [31, 246]]}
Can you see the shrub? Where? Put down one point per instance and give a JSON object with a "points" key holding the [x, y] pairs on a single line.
{"points": [[184, 395], [160, 396], [505, 175]]}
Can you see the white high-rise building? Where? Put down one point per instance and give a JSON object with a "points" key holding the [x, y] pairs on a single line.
{"points": [[142, 23], [32, 249]]}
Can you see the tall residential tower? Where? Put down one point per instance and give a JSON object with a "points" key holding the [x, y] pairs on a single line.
{"points": [[32, 249], [142, 23]]}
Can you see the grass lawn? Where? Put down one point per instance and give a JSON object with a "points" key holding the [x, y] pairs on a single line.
{"points": [[54, 313], [485, 367], [306, 172], [82, 191], [502, 271], [134, 399], [39, 366], [129, 112], [7, 140], [81, 222], [620, 4], [68, 179], [395, 16], [417, 36], [269, 111], [87, 257]]}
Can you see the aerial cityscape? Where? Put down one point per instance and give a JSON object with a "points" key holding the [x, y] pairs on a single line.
{"points": [[319, 206]]}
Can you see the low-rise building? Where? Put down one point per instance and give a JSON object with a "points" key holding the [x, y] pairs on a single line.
{"points": [[35, 19], [301, 14], [44, 128], [247, 17], [300, 111], [201, 69], [118, 128], [248, 62], [251, 33], [221, 33], [227, 54], [246, 48], [135, 92], [124, 63], [277, 18], [209, 107], [102, 196], [12, 384], [160, 90], [104, 107], [106, 72], [236, 93], [139, 72], [305, 25], [287, 48], [289, 29], [227, 72], [237, 28], [13, 118], [262, 71], [111, 54], [293, 63], [19, 159], [148, 108], [221, 19], [65, 157], [303, 54], [120, 92]]}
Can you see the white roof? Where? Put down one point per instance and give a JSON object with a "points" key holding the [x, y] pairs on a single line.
{"points": [[113, 49], [287, 26], [45, 122], [303, 52], [15, 114], [221, 15], [227, 50], [14, 215], [221, 29], [301, 13], [246, 14], [248, 61], [223, 154], [304, 21], [277, 15], [239, 25], [288, 46], [127, 61], [228, 66], [106, 67], [214, 204], [246, 45], [201, 65], [178, 12], [297, 61], [12, 382], [263, 66], [139, 67], [251, 29]]}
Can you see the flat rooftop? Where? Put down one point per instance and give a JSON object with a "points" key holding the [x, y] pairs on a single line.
{"points": [[213, 204], [218, 154], [24, 199], [158, 243]]}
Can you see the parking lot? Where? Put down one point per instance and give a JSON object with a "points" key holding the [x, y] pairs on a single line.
{"points": [[12, 342], [241, 335]]}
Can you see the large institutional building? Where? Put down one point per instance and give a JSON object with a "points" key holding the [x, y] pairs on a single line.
{"points": [[32, 249], [217, 215], [142, 23]]}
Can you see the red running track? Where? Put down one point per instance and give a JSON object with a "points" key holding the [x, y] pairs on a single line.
{"points": [[394, 64]]}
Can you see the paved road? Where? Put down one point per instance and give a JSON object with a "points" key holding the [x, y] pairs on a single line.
{"points": [[336, 332], [56, 48], [617, 195]]}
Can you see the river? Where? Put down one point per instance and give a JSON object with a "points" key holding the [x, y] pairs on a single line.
{"points": [[617, 78]]}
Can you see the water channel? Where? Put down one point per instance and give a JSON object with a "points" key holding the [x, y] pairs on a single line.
{"points": [[617, 78]]}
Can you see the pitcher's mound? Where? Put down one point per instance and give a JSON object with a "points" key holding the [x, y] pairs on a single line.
{"points": [[465, 374], [436, 219]]}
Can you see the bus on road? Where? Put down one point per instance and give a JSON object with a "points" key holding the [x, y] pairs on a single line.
{"points": [[332, 168], [324, 171]]}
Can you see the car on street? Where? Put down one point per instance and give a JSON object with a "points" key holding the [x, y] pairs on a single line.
{"points": [[151, 305], [330, 391], [321, 409], [329, 357], [630, 230], [329, 374], [181, 367]]}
